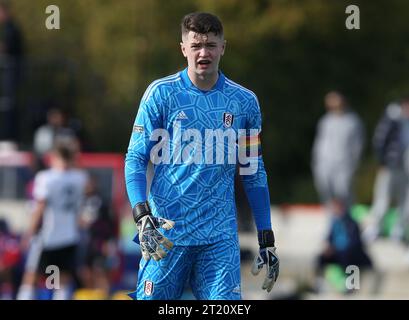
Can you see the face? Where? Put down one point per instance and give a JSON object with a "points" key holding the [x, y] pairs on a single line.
{"points": [[55, 159], [203, 52], [405, 109], [56, 119], [338, 207], [334, 102]]}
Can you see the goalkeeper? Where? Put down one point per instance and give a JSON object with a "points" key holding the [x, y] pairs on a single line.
{"points": [[187, 227]]}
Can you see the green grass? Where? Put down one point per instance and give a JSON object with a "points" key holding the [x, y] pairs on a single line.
{"points": [[359, 212], [333, 273]]}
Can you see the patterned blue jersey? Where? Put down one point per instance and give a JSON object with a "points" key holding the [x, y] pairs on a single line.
{"points": [[193, 138]]}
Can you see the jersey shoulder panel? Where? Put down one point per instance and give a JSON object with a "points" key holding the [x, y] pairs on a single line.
{"points": [[241, 91], [42, 174], [41, 184], [45, 176], [162, 88], [248, 101]]}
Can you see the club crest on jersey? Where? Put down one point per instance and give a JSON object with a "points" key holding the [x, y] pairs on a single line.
{"points": [[137, 128], [148, 287], [228, 119]]}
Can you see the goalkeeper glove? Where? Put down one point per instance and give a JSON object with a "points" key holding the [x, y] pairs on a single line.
{"points": [[267, 257], [150, 239]]}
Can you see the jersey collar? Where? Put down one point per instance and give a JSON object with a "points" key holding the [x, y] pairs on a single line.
{"points": [[189, 84]]}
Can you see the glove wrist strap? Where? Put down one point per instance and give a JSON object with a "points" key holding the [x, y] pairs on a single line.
{"points": [[266, 238], [140, 210]]}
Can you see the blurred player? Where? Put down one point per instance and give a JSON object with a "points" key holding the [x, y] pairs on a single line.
{"points": [[343, 246], [191, 198], [58, 193], [97, 237], [391, 144], [337, 149], [56, 129]]}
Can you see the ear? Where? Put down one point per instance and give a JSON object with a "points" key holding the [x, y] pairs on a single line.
{"points": [[183, 48], [223, 47]]}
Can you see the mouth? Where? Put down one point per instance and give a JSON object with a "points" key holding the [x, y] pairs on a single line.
{"points": [[204, 63]]}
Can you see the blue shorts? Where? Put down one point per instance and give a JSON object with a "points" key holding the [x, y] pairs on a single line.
{"points": [[213, 272]]}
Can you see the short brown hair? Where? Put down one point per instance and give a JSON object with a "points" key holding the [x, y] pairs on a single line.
{"points": [[66, 149], [202, 23]]}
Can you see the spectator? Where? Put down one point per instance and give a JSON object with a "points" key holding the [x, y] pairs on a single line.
{"points": [[98, 234], [391, 143], [337, 149], [54, 130], [344, 246]]}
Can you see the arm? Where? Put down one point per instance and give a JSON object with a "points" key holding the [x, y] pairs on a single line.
{"points": [[357, 143], [40, 193], [252, 171], [147, 120], [34, 224], [316, 144], [256, 188], [383, 131], [380, 139]]}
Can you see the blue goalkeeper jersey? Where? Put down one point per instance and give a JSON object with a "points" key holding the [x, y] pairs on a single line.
{"points": [[194, 138]]}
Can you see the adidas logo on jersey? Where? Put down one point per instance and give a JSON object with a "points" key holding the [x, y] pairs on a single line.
{"points": [[181, 116]]}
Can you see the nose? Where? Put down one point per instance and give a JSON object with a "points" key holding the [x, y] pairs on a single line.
{"points": [[203, 52]]}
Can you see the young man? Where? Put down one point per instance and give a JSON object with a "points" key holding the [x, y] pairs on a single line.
{"points": [[337, 150], [58, 194], [391, 145], [344, 246], [181, 127]]}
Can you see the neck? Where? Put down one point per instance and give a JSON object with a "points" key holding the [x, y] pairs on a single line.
{"points": [[338, 111], [62, 165], [205, 82]]}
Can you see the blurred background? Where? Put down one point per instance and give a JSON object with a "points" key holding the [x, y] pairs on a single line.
{"points": [[86, 80]]}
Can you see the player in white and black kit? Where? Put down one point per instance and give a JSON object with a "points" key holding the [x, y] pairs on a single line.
{"points": [[58, 193]]}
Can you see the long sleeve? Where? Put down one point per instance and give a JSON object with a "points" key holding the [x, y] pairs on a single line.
{"points": [[316, 144], [255, 180], [147, 120], [380, 138], [386, 142]]}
